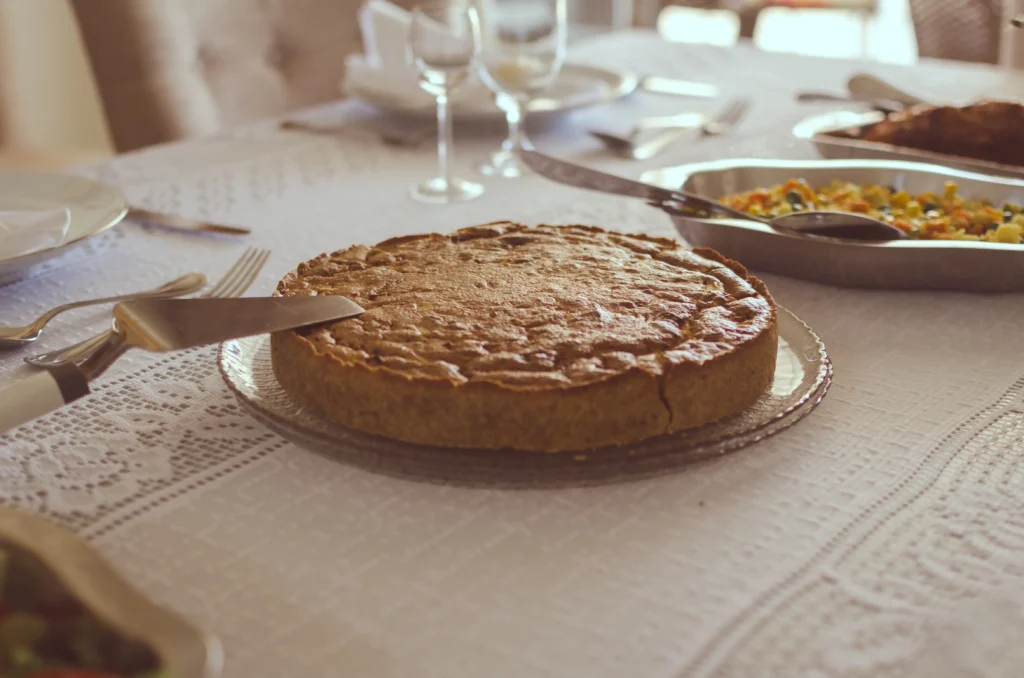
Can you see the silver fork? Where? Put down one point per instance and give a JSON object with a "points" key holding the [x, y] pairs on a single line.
{"points": [[234, 283], [672, 128], [724, 122]]}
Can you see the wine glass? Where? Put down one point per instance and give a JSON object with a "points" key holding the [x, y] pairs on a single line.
{"points": [[522, 49], [442, 46]]}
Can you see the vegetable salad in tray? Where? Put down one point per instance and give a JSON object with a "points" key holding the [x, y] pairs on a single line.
{"points": [[943, 215], [964, 230]]}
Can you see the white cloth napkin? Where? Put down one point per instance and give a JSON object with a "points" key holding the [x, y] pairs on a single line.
{"points": [[383, 70], [26, 231], [385, 29]]}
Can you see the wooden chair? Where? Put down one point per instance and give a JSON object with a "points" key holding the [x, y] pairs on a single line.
{"points": [[168, 69]]}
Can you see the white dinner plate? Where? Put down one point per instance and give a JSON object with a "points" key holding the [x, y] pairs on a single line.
{"points": [[577, 86], [93, 208]]}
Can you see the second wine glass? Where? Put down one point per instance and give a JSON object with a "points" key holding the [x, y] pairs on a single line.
{"points": [[522, 49]]}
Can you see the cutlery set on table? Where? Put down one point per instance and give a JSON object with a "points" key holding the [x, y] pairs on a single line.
{"points": [[156, 321]]}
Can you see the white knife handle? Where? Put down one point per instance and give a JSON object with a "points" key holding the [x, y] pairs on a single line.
{"points": [[30, 398]]}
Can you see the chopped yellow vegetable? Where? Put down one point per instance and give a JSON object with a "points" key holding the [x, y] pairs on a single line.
{"points": [[1010, 233]]}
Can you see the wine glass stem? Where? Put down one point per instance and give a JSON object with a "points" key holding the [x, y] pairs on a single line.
{"points": [[444, 139], [514, 115]]}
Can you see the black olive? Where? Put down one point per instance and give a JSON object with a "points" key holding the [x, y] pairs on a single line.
{"points": [[795, 199], [1007, 216], [930, 206], [991, 227], [892, 189]]}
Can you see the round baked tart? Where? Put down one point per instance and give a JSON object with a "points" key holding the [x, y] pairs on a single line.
{"points": [[552, 338]]}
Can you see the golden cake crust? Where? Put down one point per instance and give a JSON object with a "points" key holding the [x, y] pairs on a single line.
{"points": [[550, 338]]}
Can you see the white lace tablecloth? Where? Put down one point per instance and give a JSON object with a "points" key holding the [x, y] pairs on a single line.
{"points": [[881, 536]]}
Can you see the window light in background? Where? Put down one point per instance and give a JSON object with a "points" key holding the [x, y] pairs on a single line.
{"points": [[887, 35]]}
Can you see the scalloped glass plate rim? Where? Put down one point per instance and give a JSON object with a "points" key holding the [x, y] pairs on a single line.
{"points": [[637, 458]]}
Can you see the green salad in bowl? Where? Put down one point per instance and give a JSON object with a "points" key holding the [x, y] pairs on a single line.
{"points": [[46, 633]]}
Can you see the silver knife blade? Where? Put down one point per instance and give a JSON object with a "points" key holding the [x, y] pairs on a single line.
{"points": [[165, 327], [197, 322], [579, 176]]}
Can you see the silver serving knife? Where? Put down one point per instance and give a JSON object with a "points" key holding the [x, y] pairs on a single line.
{"points": [[166, 325], [579, 176]]}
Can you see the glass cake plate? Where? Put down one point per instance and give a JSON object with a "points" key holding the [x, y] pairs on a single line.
{"points": [[803, 375]]}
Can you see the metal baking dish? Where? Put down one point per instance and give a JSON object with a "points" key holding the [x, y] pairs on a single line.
{"points": [[821, 131], [905, 264], [183, 650]]}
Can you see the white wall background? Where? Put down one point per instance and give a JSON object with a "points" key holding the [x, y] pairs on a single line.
{"points": [[52, 100]]}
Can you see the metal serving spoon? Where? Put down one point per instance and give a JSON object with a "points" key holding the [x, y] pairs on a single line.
{"points": [[865, 86], [13, 337], [847, 226], [842, 225]]}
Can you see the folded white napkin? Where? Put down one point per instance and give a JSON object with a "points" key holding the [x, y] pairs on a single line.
{"points": [[383, 70], [26, 231], [385, 30]]}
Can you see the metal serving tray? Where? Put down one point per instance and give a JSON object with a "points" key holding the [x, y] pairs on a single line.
{"points": [[821, 130], [183, 650], [905, 264]]}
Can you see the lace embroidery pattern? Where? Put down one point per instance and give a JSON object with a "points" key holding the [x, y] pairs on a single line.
{"points": [[874, 599], [103, 460]]}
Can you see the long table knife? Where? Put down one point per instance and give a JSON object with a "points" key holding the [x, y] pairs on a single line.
{"points": [[176, 223], [166, 325]]}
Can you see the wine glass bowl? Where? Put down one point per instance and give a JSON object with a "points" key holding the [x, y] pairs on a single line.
{"points": [[522, 49], [442, 45]]}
